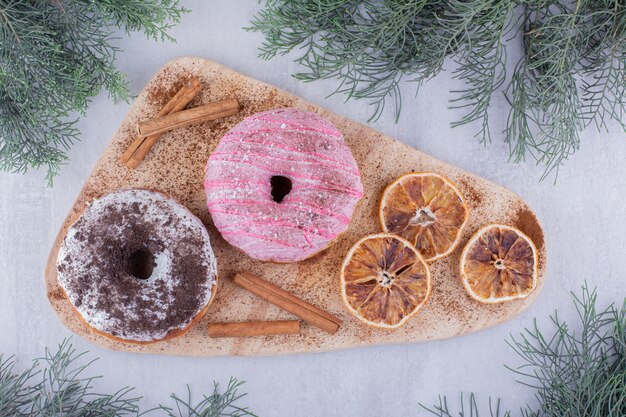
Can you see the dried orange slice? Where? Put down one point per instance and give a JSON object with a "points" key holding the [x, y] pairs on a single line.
{"points": [[384, 280], [499, 264], [426, 209]]}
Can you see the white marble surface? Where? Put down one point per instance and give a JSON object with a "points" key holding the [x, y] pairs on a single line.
{"points": [[583, 215]]}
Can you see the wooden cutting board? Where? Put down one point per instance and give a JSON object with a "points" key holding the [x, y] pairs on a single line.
{"points": [[176, 166]]}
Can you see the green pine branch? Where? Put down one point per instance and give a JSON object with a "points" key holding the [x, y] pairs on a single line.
{"points": [[215, 405], [468, 407], [59, 385], [54, 57], [576, 369], [56, 385], [572, 73]]}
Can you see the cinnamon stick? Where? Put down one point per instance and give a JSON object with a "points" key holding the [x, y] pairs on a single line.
{"points": [[211, 111], [254, 328], [287, 301], [140, 147]]}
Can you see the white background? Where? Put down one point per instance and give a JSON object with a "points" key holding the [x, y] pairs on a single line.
{"points": [[583, 215]]}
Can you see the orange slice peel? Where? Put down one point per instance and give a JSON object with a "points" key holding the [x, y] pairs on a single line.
{"points": [[426, 209], [499, 264], [384, 280]]}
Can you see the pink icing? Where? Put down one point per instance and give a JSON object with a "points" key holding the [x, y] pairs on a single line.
{"points": [[299, 145]]}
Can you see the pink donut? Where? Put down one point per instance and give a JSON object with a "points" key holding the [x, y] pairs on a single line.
{"points": [[282, 185]]}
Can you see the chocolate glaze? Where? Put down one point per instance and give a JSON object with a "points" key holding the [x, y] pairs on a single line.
{"points": [[94, 265]]}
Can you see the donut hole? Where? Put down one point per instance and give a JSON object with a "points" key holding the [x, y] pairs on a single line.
{"points": [[281, 186], [141, 264]]}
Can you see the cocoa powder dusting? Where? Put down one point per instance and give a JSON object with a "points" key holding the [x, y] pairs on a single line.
{"points": [[474, 196], [526, 221], [165, 87], [57, 295]]}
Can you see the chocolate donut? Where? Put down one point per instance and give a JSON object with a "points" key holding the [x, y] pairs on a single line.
{"points": [[282, 185], [137, 266]]}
